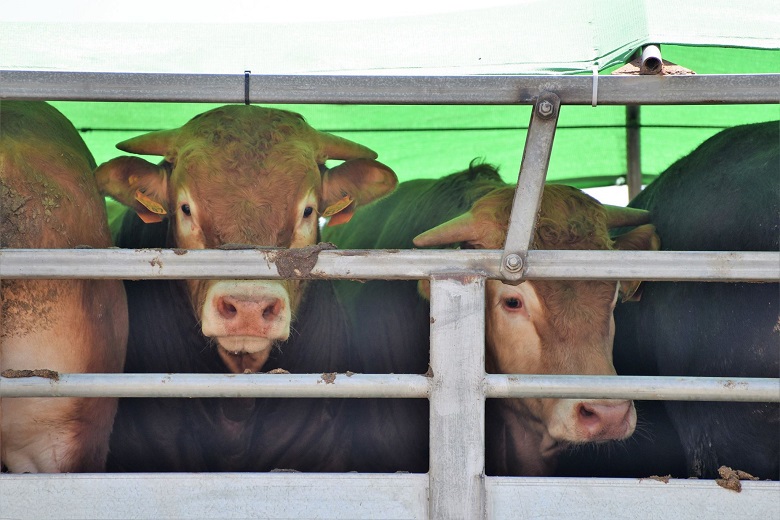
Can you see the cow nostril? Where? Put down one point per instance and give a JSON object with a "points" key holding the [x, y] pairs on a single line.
{"points": [[273, 310], [585, 412], [226, 309]]}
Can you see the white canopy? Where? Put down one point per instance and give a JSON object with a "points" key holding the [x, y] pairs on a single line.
{"points": [[347, 37]]}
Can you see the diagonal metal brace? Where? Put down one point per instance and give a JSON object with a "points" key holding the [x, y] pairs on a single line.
{"points": [[528, 195]]}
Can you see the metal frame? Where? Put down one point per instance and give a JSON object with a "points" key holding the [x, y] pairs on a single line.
{"points": [[455, 485]]}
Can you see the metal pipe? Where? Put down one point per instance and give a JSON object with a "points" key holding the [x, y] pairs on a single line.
{"points": [[635, 387], [651, 62], [409, 264], [390, 386], [403, 90], [218, 385], [633, 151]]}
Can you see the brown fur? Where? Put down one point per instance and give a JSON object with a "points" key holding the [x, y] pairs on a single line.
{"points": [[50, 200]]}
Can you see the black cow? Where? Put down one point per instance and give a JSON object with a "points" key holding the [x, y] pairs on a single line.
{"points": [[723, 196], [535, 327]]}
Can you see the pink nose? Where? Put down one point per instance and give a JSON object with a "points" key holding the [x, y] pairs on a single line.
{"points": [[249, 317], [602, 421]]}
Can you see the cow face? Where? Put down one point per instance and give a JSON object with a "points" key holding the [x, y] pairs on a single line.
{"points": [[244, 175], [547, 326]]}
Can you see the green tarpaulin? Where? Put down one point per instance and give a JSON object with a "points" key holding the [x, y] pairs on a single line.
{"points": [[498, 37]]}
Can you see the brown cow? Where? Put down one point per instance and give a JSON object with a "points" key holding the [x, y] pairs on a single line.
{"points": [[548, 326], [536, 327], [244, 175], [235, 175], [49, 199]]}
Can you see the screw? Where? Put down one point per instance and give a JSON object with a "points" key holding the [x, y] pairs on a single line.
{"points": [[545, 108], [513, 263]]}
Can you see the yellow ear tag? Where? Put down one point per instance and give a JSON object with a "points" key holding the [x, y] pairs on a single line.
{"points": [[149, 204], [338, 206]]}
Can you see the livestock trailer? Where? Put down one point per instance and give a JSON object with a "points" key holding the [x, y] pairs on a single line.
{"points": [[455, 485]]}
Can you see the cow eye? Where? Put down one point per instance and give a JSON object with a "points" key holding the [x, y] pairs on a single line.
{"points": [[512, 303], [308, 211], [185, 208]]}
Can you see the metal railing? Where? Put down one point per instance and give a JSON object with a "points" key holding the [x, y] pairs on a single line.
{"points": [[455, 485]]}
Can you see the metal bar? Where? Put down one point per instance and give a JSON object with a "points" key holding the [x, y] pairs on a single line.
{"points": [[634, 387], [628, 499], [457, 411], [530, 184], [217, 385], [472, 90], [390, 386], [388, 264], [201, 496], [633, 151]]}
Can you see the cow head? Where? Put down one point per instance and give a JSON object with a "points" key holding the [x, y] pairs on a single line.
{"points": [[244, 175], [548, 326]]}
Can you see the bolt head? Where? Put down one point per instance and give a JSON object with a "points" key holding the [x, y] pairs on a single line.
{"points": [[545, 108], [513, 263]]}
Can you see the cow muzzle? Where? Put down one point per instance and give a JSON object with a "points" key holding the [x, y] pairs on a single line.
{"points": [[592, 420], [246, 318]]}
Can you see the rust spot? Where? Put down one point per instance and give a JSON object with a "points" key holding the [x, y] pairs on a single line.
{"points": [[433, 320], [156, 262], [730, 478], [429, 373], [38, 372], [278, 371], [665, 479], [298, 263], [329, 377], [349, 373], [179, 251]]}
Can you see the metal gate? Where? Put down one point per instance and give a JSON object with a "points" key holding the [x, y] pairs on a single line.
{"points": [[455, 486]]}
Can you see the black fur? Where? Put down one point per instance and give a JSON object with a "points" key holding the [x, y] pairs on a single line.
{"points": [[724, 196], [392, 324], [225, 434]]}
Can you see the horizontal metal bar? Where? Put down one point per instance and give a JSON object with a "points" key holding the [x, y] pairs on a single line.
{"points": [[387, 264], [628, 499], [389, 386], [476, 90], [217, 385], [326, 496], [635, 387], [201, 496]]}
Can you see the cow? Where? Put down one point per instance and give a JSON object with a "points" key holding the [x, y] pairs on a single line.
{"points": [[49, 199], [723, 196], [235, 176], [554, 327]]}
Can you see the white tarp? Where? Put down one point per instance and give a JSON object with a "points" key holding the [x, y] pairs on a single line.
{"points": [[340, 37]]}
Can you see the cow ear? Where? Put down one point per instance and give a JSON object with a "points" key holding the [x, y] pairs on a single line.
{"points": [[642, 238], [136, 183], [353, 184]]}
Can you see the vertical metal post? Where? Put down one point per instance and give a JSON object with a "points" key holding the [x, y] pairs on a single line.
{"points": [[633, 151], [533, 172], [457, 431]]}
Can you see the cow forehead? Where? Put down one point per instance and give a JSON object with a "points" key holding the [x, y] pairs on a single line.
{"points": [[244, 139]]}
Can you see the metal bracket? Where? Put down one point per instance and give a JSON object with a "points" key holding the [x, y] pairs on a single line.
{"points": [[528, 195]]}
